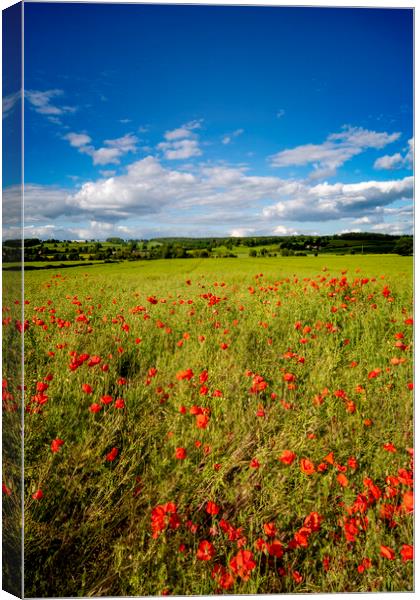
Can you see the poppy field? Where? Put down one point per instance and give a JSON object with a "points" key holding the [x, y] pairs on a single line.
{"points": [[217, 426]]}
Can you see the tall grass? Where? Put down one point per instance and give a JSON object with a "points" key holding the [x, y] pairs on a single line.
{"points": [[279, 386]]}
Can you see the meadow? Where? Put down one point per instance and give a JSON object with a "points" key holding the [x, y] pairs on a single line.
{"points": [[218, 426]]}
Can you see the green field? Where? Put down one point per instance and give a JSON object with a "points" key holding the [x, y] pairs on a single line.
{"points": [[208, 426]]}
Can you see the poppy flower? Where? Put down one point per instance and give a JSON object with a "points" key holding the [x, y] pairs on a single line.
{"points": [[297, 576], [287, 457], [201, 421], [307, 467], [387, 552], [270, 529], [389, 447], [408, 502], [254, 464], [106, 399], [112, 455], [205, 551], [119, 403], [275, 548], [407, 552], [95, 407], [342, 480], [212, 508], [38, 495], [180, 453], [242, 564], [87, 388], [56, 444]]}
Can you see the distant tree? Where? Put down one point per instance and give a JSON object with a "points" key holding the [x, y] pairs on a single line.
{"points": [[252, 252], [404, 246]]}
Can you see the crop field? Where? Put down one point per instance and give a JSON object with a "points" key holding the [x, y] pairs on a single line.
{"points": [[233, 426]]}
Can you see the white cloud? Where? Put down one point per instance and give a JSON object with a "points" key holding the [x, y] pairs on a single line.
{"points": [[78, 139], [334, 152], [227, 139], [127, 143], [9, 103], [204, 199], [180, 149], [111, 153], [41, 102], [282, 230], [104, 156], [184, 131], [325, 202], [397, 161]]}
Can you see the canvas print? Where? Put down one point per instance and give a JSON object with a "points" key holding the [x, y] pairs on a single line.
{"points": [[207, 299]]}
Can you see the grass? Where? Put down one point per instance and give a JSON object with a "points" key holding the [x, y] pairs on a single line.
{"points": [[289, 347]]}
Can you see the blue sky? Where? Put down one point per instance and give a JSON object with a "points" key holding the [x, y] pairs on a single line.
{"points": [[145, 121]]}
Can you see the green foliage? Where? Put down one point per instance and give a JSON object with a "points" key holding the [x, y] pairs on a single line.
{"points": [[91, 533]]}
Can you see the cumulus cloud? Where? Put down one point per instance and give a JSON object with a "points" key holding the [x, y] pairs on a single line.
{"points": [[184, 131], [180, 149], [334, 151], [41, 102], [397, 161], [181, 143], [78, 139], [328, 202], [207, 198], [110, 153]]}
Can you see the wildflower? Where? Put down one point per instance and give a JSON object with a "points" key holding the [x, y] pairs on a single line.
{"points": [[387, 552], [307, 467], [202, 421], [38, 495], [87, 388], [180, 453], [112, 455], [407, 552], [287, 457], [56, 444], [212, 508], [242, 564], [95, 408], [270, 529], [205, 551]]}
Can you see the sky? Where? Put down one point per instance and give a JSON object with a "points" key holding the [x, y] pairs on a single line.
{"points": [[144, 121]]}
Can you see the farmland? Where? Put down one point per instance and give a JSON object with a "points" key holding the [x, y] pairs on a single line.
{"points": [[199, 427]]}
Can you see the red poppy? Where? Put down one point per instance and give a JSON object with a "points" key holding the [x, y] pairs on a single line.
{"points": [[202, 421], [407, 552], [95, 408], [287, 457], [38, 495], [275, 548], [56, 444], [205, 551], [87, 388], [112, 455], [106, 399], [180, 453], [342, 480], [270, 529], [212, 508], [297, 576], [306, 466], [119, 403], [387, 552], [242, 564], [254, 464]]}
